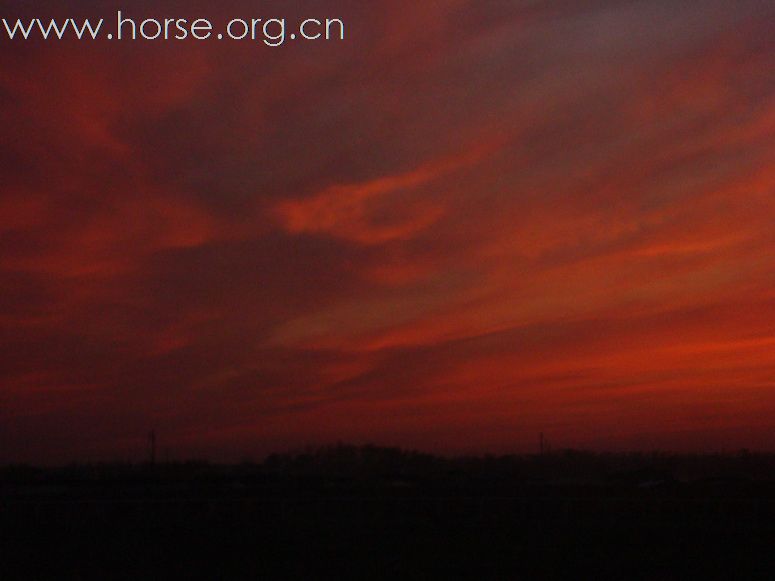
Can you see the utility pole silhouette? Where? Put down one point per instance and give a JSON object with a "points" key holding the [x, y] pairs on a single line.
{"points": [[152, 446], [543, 444]]}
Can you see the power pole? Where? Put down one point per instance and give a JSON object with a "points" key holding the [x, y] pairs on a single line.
{"points": [[152, 446]]}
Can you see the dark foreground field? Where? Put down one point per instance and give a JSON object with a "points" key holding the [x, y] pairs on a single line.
{"points": [[371, 513]]}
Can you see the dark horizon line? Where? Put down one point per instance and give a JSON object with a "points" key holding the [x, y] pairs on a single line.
{"points": [[449, 457]]}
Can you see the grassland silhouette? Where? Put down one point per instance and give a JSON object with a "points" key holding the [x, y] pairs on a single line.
{"points": [[371, 512]]}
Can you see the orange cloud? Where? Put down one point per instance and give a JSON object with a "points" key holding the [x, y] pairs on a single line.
{"points": [[352, 211]]}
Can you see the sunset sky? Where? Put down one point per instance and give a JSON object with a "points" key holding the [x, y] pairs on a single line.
{"points": [[470, 222]]}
